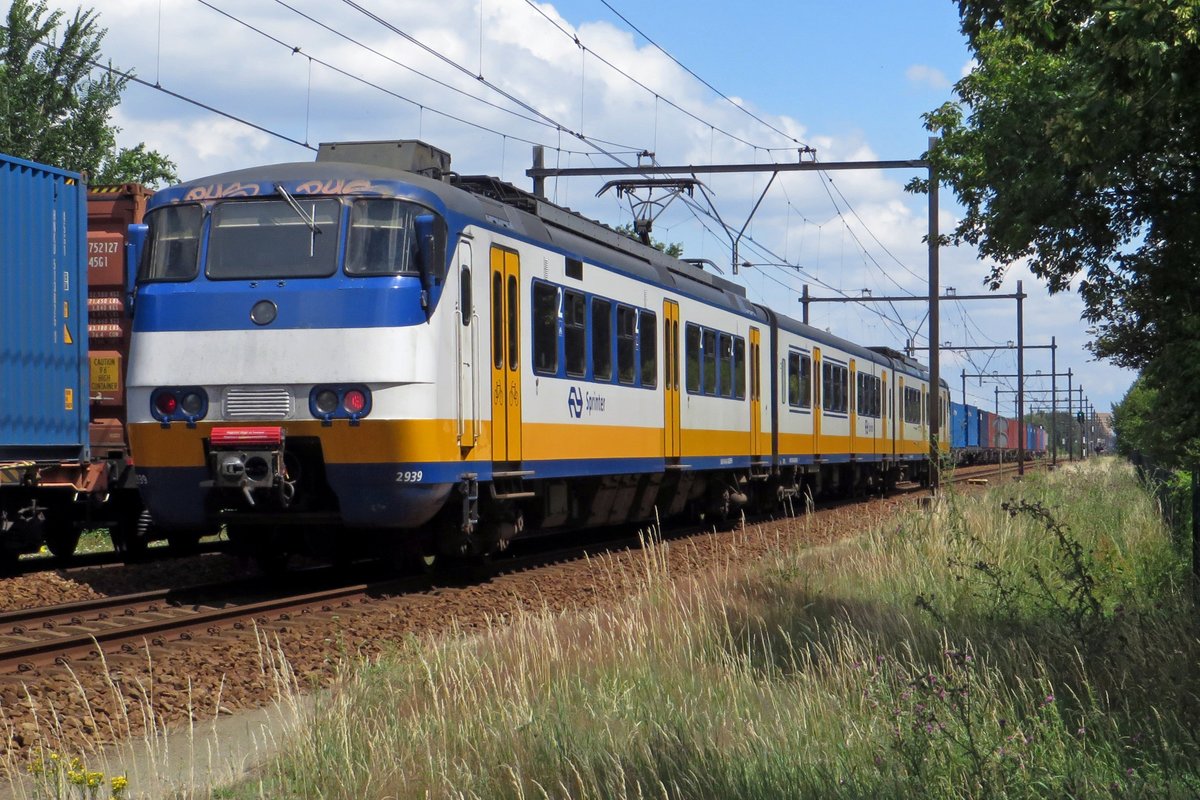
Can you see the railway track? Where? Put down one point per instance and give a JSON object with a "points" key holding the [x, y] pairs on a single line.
{"points": [[103, 558], [35, 638]]}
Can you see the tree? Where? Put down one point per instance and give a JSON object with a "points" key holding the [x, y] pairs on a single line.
{"points": [[54, 102], [675, 249], [1074, 143]]}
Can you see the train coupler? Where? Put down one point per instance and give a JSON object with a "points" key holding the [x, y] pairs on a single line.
{"points": [[251, 460]]}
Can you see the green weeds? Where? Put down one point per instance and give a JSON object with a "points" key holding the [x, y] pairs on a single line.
{"points": [[1038, 641]]}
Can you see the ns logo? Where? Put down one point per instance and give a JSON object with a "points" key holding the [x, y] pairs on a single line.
{"points": [[575, 402], [578, 402]]}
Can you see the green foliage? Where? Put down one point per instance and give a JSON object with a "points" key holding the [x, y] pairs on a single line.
{"points": [[1144, 426], [1058, 661], [1073, 144], [137, 165], [675, 249], [55, 102]]}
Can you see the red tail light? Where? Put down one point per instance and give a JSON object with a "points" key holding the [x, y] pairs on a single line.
{"points": [[355, 401], [166, 403]]}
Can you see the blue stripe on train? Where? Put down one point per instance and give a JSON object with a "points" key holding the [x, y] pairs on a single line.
{"points": [[335, 302]]}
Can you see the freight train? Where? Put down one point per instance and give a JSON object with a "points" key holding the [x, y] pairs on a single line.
{"points": [[978, 436], [64, 337]]}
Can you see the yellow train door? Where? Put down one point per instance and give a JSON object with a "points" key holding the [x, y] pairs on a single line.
{"points": [[755, 394], [672, 445], [852, 405], [885, 434], [816, 400], [506, 354]]}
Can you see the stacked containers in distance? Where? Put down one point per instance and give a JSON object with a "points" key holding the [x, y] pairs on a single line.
{"points": [[1014, 435]]}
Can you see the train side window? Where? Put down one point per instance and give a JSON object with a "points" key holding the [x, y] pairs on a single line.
{"points": [[575, 333], [725, 365], [514, 330], [626, 344], [602, 339], [545, 327], [836, 379], [498, 320], [464, 295], [173, 246], [648, 347], [710, 361], [806, 388], [739, 368], [793, 379], [868, 395], [692, 348], [912, 406]]}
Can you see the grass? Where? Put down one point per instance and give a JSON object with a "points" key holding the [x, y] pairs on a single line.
{"points": [[1037, 641], [985, 649]]}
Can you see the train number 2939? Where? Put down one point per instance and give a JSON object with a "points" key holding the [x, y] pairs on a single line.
{"points": [[409, 476]]}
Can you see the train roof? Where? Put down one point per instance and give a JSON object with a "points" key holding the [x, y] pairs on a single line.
{"points": [[484, 200]]}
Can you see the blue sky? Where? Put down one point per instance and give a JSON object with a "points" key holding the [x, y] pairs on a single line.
{"points": [[850, 79]]}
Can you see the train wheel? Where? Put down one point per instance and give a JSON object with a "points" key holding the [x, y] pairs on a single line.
{"points": [[62, 541], [131, 536], [59, 532]]}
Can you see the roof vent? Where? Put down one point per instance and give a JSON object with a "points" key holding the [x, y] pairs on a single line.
{"points": [[409, 155]]}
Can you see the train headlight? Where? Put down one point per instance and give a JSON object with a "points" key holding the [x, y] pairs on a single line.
{"points": [[164, 404], [179, 403], [192, 403], [354, 402], [325, 401], [328, 403]]}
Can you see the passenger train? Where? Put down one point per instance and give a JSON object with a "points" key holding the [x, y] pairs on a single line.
{"points": [[372, 345]]}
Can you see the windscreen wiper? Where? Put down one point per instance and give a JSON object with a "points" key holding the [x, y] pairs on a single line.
{"points": [[310, 221]]}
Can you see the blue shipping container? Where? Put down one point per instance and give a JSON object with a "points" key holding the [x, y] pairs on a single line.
{"points": [[958, 425], [43, 313], [972, 426]]}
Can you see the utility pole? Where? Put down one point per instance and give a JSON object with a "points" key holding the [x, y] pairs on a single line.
{"points": [[935, 361]]}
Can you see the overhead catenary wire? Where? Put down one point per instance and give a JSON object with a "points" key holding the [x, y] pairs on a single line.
{"points": [[483, 80], [739, 106], [296, 49], [575, 38]]}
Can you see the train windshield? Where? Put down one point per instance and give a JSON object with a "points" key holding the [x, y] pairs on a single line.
{"points": [[274, 238], [173, 244], [383, 238]]}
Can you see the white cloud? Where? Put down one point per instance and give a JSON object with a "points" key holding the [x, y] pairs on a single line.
{"points": [[926, 76]]}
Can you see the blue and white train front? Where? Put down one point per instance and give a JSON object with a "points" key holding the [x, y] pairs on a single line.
{"points": [[285, 358]]}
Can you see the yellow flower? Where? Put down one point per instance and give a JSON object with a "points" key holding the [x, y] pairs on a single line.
{"points": [[119, 784], [94, 779]]}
